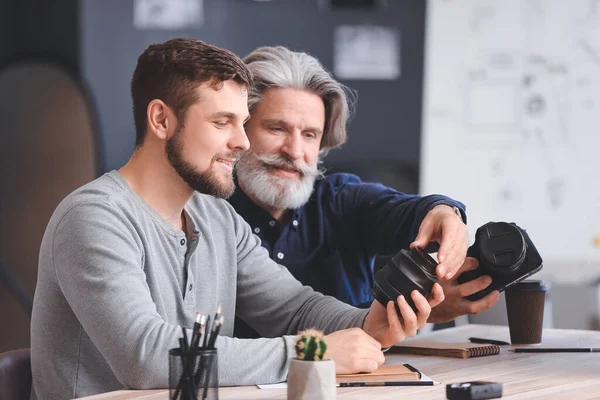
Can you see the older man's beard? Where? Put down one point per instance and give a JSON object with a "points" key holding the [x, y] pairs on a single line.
{"points": [[275, 191], [206, 182]]}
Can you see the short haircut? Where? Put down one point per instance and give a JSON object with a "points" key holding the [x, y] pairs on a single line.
{"points": [[173, 70], [280, 67]]}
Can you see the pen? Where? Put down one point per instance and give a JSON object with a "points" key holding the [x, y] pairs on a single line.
{"points": [[486, 341], [390, 383], [557, 350]]}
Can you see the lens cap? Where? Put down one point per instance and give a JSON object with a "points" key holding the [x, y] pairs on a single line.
{"points": [[502, 246]]}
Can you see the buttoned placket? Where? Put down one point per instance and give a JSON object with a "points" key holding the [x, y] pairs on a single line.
{"points": [[278, 252], [190, 282]]}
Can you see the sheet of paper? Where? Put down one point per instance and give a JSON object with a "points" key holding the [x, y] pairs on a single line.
{"points": [[366, 52], [168, 14]]}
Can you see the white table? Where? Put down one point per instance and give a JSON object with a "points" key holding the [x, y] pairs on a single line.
{"points": [[524, 376]]}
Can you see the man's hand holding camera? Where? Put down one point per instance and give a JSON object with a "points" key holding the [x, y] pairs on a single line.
{"points": [[384, 324], [359, 350], [455, 303], [444, 226]]}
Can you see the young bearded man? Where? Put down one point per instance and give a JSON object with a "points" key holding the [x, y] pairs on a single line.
{"points": [[129, 258], [327, 230]]}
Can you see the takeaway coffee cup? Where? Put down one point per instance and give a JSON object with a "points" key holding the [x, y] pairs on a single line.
{"points": [[525, 309]]}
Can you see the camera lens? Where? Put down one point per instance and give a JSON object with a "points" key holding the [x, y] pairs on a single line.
{"points": [[502, 247], [407, 271]]}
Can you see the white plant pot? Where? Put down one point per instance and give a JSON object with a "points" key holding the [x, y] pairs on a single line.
{"points": [[311, 380]]}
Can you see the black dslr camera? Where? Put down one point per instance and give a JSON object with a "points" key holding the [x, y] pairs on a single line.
{"points": [[504, 251]]}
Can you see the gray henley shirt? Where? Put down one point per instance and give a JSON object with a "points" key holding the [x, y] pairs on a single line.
{"points": [[116, 282]]}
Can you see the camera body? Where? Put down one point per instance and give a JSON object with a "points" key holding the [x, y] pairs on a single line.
{"points": [[505, 253]]}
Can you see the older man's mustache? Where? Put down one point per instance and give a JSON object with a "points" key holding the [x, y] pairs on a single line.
{"points": [[277, 161]]}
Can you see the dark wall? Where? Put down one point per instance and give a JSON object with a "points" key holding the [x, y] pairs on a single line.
{"points": [[5, 28], [96, 40], [40, 27], [384, 134]]}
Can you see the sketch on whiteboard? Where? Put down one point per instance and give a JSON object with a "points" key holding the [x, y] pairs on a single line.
{"points": [[512, 100], [516, 95], [508, 103]]}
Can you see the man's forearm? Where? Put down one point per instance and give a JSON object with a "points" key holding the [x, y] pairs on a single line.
{"points": [[253, 361]]}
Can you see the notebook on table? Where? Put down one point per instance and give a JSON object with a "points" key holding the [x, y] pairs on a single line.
{"points": [[445, 349], [386, 375], [399, 373]]}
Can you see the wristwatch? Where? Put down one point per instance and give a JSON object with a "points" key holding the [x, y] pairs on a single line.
{"points": [[457, 212]]}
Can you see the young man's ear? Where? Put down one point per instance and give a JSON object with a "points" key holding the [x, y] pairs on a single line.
{"points": [[160, 119]]}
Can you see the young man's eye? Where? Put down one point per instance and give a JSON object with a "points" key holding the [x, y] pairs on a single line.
{"points": [[221, 124]]}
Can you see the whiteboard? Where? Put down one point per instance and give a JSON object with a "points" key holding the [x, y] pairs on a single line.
{"points": [[511, 120]]}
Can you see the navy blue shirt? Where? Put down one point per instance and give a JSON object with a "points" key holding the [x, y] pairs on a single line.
{"points": [[331, 242]]}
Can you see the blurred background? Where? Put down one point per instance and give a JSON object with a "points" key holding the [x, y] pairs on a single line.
{"points": [[496, 104]]}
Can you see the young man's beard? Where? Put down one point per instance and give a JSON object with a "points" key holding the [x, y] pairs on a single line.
{"points": [[273, 191], [205, 182]]}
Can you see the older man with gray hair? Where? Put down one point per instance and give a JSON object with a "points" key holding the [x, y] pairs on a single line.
{"points": [[327, 229]]}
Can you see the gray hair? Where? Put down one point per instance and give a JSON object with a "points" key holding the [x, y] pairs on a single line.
{"points": [[280, 67]]}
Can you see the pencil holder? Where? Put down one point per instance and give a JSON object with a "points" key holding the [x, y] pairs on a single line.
{"points": [[193, 375]]}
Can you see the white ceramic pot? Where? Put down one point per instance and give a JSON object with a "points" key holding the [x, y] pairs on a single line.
{"points": [[311, 380]]}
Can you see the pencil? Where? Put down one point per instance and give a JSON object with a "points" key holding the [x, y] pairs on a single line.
{"points": [[215, 332], [557, 350], [389, 383], [195, 331]]}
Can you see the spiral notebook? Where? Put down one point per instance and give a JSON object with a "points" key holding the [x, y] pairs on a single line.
{"points": [[445, 349]]}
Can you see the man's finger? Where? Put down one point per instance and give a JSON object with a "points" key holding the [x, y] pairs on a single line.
{"points": [[424, 236], [395, 326], [437, 295], [458, 259], [446, 244], [474, 286], [423, 307], [451, 247], [364, 365], [458, 251], [485, 303], [469, 265], [409, 317], [452, 264]]}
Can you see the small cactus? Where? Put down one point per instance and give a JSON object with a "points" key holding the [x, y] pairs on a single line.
{"points": [[310, 345]]}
